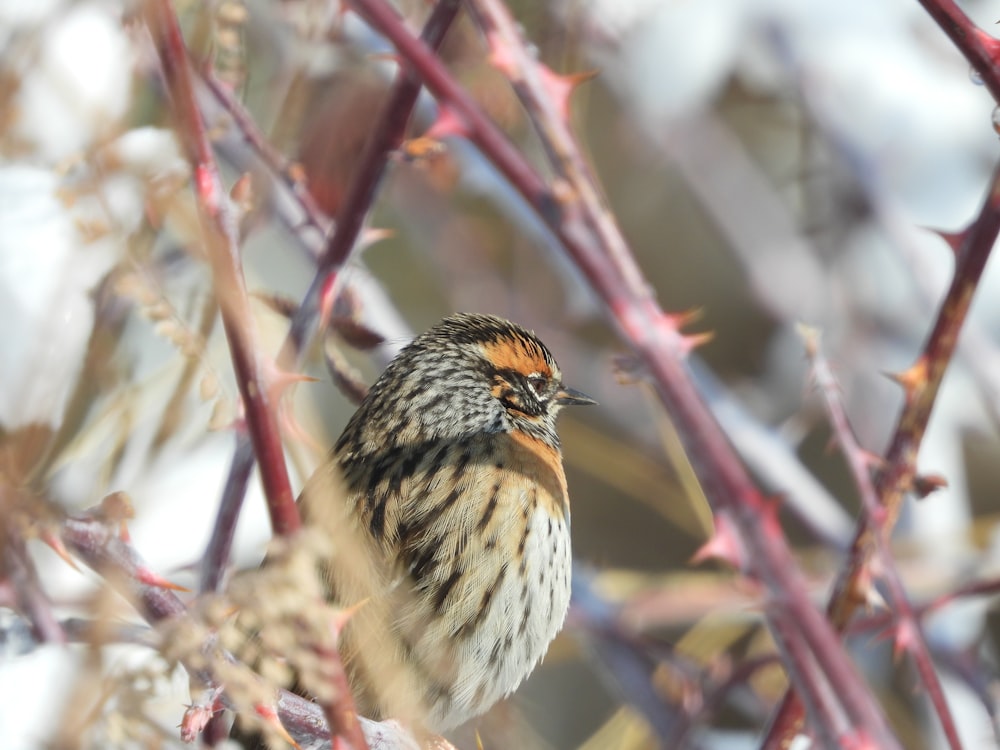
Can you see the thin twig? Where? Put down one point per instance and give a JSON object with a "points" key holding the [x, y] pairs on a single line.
{"points": [[271, 157], [899, 471], [909, 633], [220, 544]]}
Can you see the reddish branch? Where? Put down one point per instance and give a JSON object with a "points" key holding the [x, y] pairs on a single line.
{"points": [[222, 248], [922, 381], [840, 700], [979, 48], [906, 626]]}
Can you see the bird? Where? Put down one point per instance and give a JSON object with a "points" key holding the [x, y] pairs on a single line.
{"points": [[448, 502]]}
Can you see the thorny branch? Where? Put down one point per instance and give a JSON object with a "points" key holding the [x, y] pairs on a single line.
{"points": [[907, 631]]}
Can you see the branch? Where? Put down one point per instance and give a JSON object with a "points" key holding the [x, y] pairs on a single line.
{"points": [[222, 248], [20, 573], [909, 635], [921, 384]]}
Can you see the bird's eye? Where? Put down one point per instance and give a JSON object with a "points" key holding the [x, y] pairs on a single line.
{"points": [[538, 384]]}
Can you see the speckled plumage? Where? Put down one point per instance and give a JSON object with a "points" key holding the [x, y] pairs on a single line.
{"points": [[457, 501]]}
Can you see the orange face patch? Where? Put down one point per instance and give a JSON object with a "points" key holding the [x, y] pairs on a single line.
{"points": [[518, 355]]}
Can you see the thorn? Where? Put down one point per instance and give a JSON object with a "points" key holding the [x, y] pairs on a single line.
{"points": [[770, 507], [913, 379], [242, 193], [925, 484], [59, 548], [500, 56], [149, 578], [279, 381], [810, 336], [684, 318], [343, 616], [865, 593], [296, 172], [270, 716], [873, 460], [724, 545], [448, 123], [857, 741], [563, 192], [561, 87], [904, 635], [204, 180], [907, 637], [372, 235], [954, 239], [693, 341]]}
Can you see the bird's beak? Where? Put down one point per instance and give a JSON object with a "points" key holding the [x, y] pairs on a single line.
{"points": [[572, 397]]}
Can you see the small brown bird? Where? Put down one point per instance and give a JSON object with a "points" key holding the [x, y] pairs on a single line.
{"points": [[447, 499]]}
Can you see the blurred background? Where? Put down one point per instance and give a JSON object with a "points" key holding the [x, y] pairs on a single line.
{"points": [[770, 162]]}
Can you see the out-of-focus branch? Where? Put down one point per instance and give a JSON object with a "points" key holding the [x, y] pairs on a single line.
{"points": [[18, 571], [274, 160], [835, 690]]}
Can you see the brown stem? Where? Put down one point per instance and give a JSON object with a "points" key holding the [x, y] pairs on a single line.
{"points": [[896, 479]]}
